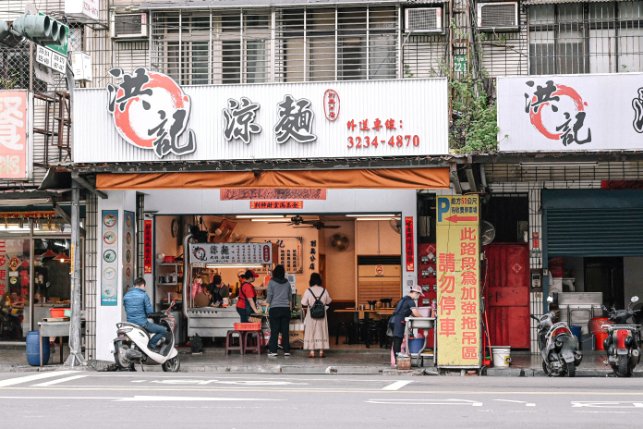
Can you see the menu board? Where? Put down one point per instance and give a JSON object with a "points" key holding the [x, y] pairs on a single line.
{"points": [[231, 253]]}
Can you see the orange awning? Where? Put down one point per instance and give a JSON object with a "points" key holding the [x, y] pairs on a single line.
{"points": [[387, 178]]}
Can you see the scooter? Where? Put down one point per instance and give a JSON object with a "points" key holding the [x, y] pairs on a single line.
{"points": [[622, 342], [131, 346], [558, 346]]}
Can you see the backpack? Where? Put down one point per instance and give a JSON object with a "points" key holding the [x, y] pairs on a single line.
{"points": [[318, 309]]}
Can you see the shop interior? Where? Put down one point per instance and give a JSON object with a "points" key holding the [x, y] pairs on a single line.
{"points": [[358, 257], [51, 282]]}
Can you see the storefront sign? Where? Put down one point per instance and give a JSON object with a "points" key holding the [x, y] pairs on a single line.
{"points": [[128, 250], [3, 267], [409, 243], [276, 204], [14, 143], [82, 10], [155, 119], [109, 256], [272, 194], [231, 253], [458, 281], [570, 113], [147, 247]]}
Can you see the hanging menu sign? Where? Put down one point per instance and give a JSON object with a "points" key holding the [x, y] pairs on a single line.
{"points": [[231, 253]]}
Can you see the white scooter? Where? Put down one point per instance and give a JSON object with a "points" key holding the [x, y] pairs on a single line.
{"points": [[131, 346]]}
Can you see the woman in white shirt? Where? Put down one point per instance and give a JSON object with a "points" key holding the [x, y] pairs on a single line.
{"points": [[315, 330]]}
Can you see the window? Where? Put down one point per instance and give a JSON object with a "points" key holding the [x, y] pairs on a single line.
{"points": [[585, 38]]}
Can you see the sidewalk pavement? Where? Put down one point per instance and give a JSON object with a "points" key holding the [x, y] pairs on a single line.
{"points": [[373, 361]]}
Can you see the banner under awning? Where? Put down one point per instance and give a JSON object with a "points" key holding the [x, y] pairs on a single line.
{"points": [[387, 178]]}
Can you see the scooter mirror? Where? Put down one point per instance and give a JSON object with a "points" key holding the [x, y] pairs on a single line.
{"points": [[634, 298], [550, 299]]}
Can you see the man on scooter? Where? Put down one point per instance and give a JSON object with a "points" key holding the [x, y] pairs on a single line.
{"points": [[138, 307]]}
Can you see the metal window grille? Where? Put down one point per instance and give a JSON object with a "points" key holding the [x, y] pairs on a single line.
{"points": [[604, 37]]}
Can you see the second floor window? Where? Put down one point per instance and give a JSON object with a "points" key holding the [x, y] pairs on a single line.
{"points": [[605, 37]]}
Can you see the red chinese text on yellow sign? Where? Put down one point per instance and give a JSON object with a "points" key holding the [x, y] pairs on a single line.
{"points": [[458, 281]]}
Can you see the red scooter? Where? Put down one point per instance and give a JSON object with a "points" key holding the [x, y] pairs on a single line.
{"points": [[622, 342]]}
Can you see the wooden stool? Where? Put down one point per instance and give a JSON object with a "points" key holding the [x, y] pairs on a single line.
{"points": [[231, 344], [253, 341]]}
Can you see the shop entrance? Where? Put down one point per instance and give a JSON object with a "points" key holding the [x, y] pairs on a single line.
{"points": [[359, 257], [605, 275]]}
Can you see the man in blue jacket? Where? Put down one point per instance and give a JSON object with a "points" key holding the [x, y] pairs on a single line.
{"points": [[138, 307]]}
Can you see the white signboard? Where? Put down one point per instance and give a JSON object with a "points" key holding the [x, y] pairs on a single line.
{"points": [[146, 116], [570, 113], [82, 10], [231, 253], [51, 59]]}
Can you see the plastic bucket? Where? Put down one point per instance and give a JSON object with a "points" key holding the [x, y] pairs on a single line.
{"points": [[33, 350], [501, 356], [416, 345], [577, 330]]}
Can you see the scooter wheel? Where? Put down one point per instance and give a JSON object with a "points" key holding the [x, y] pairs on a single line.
{"points": [[623, 368], [546, 370], [570, 370], [171, 365]]}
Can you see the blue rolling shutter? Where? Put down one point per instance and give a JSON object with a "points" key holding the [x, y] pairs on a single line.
{"points": [[593, 222]]}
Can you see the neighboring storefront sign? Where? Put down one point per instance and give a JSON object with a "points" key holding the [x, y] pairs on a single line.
{"points": [[148, 251], [231, 253], [570, 113], [82, 10], [128, 250], [149, 118], [458, 281], [15, 160], [109, 223], [409, 243]]}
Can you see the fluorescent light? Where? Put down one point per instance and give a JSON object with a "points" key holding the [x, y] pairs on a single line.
{"points": [[270, 219], [377, 218], [372, 215], [260, 216], [233, 266], [14, 228]]}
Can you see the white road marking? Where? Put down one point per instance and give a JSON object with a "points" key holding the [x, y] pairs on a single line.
{"points": [[427, 402], [189, 399], [606, 404], [527, 404], [28, 378], [60, 380], [397, 385], [187, 382]]}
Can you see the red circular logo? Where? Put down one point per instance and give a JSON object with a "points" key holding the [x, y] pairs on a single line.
{"points": [[331, 104]]}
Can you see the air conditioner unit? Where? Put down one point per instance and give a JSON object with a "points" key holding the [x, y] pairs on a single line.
{"points": [[423, 20], [128, 25], [498, 16]]}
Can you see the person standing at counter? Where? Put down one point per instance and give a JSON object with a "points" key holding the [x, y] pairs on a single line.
{"points": [[315, 330], [279, 298], [246, 303], [403, 309]]}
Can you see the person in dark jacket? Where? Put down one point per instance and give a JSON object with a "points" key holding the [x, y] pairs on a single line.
{"points": [[279, 298], [138, 307], [403, 309]]}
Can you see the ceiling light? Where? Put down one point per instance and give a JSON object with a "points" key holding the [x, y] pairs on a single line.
{"points": [[233, 266], [372, 215], [270, 219], [260, 216], [377, 218]]}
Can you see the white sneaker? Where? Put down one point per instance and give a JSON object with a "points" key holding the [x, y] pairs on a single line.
{"points": [[272, 354], [287, 354]]}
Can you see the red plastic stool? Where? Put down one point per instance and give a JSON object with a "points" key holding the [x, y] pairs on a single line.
{"points": [[231, 344], [253, 341]]}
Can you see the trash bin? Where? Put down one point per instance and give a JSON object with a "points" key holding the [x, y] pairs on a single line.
{"points": [[578, 333], [501, 356], [33, 349]]}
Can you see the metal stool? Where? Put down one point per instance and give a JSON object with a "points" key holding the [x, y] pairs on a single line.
{"points": [[231, 344], [253, 341]]}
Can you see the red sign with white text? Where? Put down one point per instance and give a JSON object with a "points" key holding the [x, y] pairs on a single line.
{"points": [[147, 247], [13, 135], [409, 246]]}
